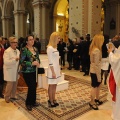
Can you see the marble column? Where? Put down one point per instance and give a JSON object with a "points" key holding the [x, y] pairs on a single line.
{"points": [[41, 16], [20, 23], [6, 25]]}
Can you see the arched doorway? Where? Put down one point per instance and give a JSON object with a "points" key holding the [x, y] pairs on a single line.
{"points": [[30, 17], [61, 18]]}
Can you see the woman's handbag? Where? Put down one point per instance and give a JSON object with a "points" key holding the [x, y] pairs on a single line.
{"points": [[41, 70]]}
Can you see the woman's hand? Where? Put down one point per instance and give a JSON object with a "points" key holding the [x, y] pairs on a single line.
{"points": [[36, 63], [111, 47], [53, 75]]}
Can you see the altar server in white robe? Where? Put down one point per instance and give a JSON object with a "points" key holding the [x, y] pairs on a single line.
{"points": [[114, 80]]}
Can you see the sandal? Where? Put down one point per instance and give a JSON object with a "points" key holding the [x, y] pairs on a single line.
{"points": [[94, 106], [98, 102]]}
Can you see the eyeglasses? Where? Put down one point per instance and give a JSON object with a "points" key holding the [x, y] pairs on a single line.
{"points": [[13, 42]]}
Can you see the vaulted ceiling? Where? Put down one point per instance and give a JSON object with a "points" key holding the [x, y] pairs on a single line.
{"points": [[62, 6]]}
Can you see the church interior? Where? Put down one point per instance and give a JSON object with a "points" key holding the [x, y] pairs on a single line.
{"points": [[72, 19]]}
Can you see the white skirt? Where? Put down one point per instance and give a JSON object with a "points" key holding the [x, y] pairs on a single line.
{"points": [[54, 81]]}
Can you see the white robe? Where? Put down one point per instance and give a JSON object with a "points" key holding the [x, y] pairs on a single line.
{"points": [[114, 59]]}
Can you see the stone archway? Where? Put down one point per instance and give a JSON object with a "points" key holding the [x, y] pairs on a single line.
{"points": [[24, 12], [30, 16]]}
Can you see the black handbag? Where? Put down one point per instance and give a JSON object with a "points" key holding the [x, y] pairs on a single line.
{"points": [[41, 70]]}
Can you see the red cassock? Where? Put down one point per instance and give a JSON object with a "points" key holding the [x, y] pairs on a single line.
{"points": [[112, 85]]}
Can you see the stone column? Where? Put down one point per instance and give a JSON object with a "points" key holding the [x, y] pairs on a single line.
{"points": [[37, 18], [20, 23], [41, 17], [6, 25]]}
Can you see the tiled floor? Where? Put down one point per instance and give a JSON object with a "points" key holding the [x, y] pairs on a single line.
{"points": [[8, 111]]}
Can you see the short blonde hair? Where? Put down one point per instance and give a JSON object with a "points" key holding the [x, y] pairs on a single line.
{"points": [[11, 39], [53, 39], [97, 42]]}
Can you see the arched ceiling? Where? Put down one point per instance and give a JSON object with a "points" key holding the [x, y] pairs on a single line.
{"points": [[61, 7], [9, 8]]}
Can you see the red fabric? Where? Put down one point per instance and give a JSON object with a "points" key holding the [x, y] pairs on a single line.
{"points": [[112, 86], [1, 58]]}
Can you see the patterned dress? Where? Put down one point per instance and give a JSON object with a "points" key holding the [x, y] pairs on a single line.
{"points": [[53, 60]]}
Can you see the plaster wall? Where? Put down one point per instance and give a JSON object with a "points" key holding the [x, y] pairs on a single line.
{"points": [[75, 17]]}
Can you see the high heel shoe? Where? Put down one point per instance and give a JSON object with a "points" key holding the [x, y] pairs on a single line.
{"points": [[54, 101], [50, 104], [94, 106], [98, 102], [29, 107]]}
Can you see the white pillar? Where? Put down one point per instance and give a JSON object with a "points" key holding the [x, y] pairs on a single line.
{"points": [[20, 23], [6, 25], [40, 18]]}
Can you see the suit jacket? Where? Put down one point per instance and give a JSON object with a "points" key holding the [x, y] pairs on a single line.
{"points": [[10, 64]]}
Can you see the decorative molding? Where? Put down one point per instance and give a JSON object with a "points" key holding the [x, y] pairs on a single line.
{"points": [[41, 3], [20, 12], [6, 17]]}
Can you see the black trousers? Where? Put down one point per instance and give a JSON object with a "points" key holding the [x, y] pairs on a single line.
{"points": [[30, 79], [62, 60], [1, 77]]}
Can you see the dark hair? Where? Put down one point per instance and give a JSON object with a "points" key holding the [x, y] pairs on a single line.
{"points": [[26, 39], [37, 39], [82, 38], [5, 38], [70, 41], [104, 48]]}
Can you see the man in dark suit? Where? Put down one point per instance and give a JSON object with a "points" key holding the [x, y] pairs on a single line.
{"points": [[61, 49]]}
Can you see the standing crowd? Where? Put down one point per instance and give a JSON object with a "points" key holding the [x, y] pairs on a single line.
{"points": [[96, 57]]}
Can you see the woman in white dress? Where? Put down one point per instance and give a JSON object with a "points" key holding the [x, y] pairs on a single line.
{"points": [[53, 73]]}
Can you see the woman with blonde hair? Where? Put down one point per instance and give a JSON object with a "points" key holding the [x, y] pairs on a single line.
{"points": [[53, 73], [95, 69]]}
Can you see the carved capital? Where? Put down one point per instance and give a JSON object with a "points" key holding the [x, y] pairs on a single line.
{"points": [[19, 12], [41, 3], [6, 17]]}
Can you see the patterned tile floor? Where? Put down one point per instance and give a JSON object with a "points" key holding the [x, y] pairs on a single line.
{"points": [[8, 111]]}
